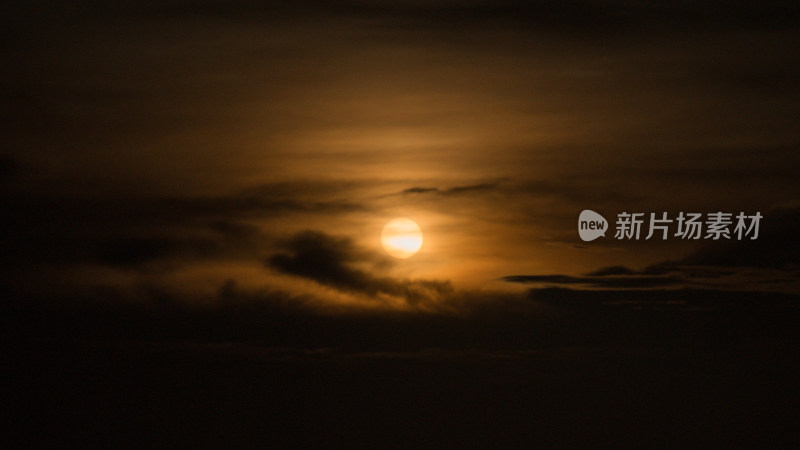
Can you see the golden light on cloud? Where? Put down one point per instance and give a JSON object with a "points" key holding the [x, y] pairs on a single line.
{"points": [[401, 238]]}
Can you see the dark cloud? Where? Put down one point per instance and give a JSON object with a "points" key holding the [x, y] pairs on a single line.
{"points": [[123, 232], [331, 261], [574, 189], [221, 240], [41, 229], [603, 281], [768, 262], [450, 191], [775, 251], [150, 311], [419, 190], [611, 270], [544, 318]]}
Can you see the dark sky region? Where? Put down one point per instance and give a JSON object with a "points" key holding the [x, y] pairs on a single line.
{"points": [[200, 187]]}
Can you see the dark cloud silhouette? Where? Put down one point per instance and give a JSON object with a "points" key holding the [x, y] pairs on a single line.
{"points": [[456, 190], [611, 270], [220, 240], [332, 260], [475, 187], [125, 233], [597, 281], [574, 190], [419, 190], [134, 231], [776, 253]]}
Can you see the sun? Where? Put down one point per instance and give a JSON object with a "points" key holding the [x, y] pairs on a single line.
{"points": [[401, 237]]}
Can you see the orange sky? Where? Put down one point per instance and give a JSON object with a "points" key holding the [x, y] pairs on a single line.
{"points": [[492, 133]]}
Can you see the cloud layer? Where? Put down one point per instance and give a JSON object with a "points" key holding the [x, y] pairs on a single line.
{"points": [[331, 261]]}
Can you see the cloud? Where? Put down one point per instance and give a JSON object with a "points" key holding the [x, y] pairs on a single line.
{"points": [[420, 190], [270, 316], [332, 261], [130, 232], [456, 190], [611, 270], [121, 233], [573, 190], [217, 239], [769, 264], [547, 317], [597, 282]]}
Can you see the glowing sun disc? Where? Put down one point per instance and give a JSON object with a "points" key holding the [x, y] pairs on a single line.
{"points": [[401, 237]]}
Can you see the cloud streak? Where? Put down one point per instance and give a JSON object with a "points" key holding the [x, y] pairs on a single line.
{"points": [[597, 282], [456, 190]]}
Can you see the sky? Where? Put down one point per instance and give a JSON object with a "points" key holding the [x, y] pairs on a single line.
{"points": [[193, 195], [183, 145]]}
